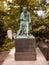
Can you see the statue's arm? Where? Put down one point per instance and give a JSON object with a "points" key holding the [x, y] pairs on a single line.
{"points": [[21, 17], [29, 18]]}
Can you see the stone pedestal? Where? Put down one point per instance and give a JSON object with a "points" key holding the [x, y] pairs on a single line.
{"points": [[25, 49]]}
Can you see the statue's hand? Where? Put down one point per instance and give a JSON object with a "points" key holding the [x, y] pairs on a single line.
{"points": [[22, 22]]}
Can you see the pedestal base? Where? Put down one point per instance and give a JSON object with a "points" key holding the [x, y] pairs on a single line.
{"points": [[25, 49]]}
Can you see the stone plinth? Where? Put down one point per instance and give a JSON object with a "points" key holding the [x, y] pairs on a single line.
{"points": [[25, 49]]}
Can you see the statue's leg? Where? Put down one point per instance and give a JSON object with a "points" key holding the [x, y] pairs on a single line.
{"points": [[27, 29], [19, 30]]}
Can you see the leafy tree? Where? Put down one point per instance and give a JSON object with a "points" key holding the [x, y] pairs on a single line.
{"points": [[10, 16], [2, 33]]}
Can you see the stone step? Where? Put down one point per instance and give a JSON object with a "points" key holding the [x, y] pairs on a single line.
{"points": [[25, 50], [25, 56]]}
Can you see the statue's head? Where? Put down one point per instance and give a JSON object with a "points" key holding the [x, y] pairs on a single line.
{"points": [[24, 9]]}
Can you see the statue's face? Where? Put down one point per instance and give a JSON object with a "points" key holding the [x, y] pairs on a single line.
{"points": [[25, 9]]}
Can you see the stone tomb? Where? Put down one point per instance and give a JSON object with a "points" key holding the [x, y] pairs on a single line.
{"points": [[25, 48]]}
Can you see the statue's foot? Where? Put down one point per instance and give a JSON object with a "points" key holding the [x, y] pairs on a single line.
{"points": [[27, 35]]}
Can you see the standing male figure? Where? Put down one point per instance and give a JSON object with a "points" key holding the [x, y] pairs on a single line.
{"points": [[24, 24]]}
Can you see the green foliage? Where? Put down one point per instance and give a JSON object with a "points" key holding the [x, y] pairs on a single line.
{"points": [[40, 28], [7, 45], [9, 18], [2, 33], [22, 2]]}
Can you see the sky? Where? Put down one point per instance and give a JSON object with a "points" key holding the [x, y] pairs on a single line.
{"points": [[9, 0], [45, 0]]}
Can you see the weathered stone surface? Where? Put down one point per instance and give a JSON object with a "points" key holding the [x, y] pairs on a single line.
{"points": [[25, 49]]}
